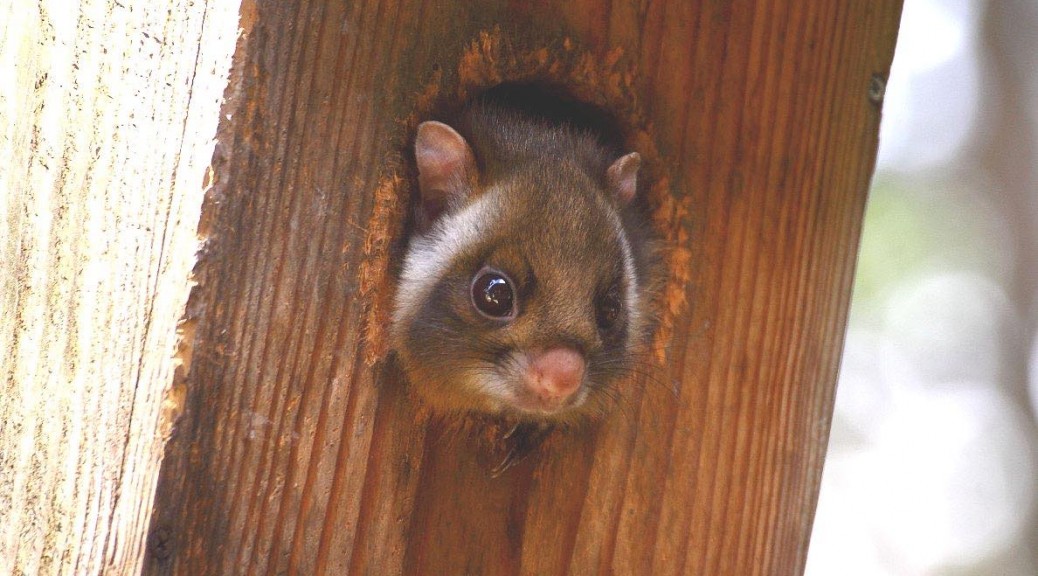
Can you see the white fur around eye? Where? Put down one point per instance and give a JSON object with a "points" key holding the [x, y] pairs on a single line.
{"points": [[430, 256], [630, 277], [631, 294]]}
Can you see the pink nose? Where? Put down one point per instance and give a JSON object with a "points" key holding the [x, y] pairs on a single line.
{"points": [[555, 374]]}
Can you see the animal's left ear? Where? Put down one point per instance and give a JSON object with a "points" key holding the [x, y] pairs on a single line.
{"points": [[622, 177], [446, 169]]}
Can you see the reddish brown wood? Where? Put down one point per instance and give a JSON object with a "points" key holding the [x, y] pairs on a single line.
{"points": [[297, 455]]}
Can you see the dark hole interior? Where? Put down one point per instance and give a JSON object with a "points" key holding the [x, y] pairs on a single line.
{"points": [[555, 105]]}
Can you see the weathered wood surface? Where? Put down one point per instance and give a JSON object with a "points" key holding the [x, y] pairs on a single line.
{"points": [[107, 117], [295, 455]]}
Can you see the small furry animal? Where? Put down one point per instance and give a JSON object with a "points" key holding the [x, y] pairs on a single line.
{"points": [[526, 289]]}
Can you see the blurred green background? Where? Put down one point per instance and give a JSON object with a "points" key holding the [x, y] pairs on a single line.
{"points": [[933, 459]]}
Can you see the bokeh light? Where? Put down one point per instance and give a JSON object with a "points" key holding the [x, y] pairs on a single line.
{"points": [[932, 466]]}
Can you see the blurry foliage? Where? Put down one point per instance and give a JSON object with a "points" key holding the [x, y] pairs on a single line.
{"points": [[914, 228]]}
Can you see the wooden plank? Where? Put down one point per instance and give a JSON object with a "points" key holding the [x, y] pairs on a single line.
{"points": [[301, 450], [108, 113]]}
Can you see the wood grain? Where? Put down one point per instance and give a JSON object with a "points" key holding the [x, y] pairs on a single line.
{"points": [[296, 455], [108, 112]]}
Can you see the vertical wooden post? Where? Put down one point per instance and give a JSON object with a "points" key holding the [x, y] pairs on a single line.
{"points": [[107, 116], [298, 455]]}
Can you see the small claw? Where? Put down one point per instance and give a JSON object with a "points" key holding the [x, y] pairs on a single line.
{"points": [[522, 440], [507, 462]]}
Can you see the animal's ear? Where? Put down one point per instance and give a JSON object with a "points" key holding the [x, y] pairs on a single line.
{"points": [[447, 169], [622, 177]]}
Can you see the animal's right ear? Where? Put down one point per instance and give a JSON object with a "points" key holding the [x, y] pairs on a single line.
{"points": [[447, 169]]}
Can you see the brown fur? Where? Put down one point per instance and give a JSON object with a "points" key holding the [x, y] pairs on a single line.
{"points": [[555, 238]]}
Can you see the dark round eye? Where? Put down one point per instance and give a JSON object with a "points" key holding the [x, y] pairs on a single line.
{"points": [[608, 309], [493, 294]]}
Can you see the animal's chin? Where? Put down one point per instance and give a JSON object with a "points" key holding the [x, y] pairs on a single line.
{"points": [[534, 405], [512, 394], [540, 381]]}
